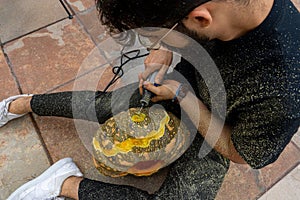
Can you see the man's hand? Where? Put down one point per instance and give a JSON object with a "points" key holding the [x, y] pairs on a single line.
{"points": [[164, 92], [158, 60]]}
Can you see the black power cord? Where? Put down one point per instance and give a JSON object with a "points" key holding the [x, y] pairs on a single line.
{"points": [[66, 9], [118, 70]]}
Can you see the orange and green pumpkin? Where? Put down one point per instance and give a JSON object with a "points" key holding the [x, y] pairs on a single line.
{"points": [[139, 144]]}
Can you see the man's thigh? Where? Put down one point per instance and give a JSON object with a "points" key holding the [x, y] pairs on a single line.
{"points": [[191, 177]]}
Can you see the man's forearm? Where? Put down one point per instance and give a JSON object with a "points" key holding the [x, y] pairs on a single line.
{"points": [[223, 143]]}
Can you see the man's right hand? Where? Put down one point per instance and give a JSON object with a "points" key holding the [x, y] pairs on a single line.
{"points": [[158, 60]]}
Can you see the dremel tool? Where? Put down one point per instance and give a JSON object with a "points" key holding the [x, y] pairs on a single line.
{"points": [[147, 95]]}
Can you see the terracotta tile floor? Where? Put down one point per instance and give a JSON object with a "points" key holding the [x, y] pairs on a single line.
{"points": [[47, 53]]}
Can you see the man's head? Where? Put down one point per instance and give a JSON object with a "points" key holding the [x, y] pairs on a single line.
{"points": [[201, 19], [122, 15]]}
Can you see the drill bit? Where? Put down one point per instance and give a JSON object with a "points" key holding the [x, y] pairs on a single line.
{"points": [[139, 112]]}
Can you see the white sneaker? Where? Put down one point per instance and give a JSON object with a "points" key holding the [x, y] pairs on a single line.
{"points": [[6, 116], [48, 184]]}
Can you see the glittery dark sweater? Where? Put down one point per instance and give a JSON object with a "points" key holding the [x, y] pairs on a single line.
{"points": [[261, 74]]}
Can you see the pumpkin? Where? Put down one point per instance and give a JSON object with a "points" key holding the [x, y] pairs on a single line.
{"points": [[139, 143]]}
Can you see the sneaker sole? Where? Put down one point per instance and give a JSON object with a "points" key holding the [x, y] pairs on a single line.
{"points": [[40, 178]]}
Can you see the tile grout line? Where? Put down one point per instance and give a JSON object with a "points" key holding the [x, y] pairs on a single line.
{"points": [[85, 29], [284, 175], [88, 33], [83, 26], [297, 147], [276, 182], [35, 30], [31, 116], [76, 78], [90, 37], [38, 131], [102, 53], [12, 72]]}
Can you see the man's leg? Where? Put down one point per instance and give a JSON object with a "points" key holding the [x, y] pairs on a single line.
{"points": [[78, 104], [70, 187], [191, 177], [20, 106]]}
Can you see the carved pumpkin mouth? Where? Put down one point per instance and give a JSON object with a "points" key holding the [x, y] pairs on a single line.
{"points": [[146, 168]]}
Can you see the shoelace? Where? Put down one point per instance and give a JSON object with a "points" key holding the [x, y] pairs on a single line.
{"points": [[4, 112]]}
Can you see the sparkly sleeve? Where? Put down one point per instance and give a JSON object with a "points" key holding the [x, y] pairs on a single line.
{"points": [[262, 129]]}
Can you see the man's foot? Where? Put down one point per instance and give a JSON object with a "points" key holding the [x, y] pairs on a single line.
{"points": [[5, 115], [48, 184]]}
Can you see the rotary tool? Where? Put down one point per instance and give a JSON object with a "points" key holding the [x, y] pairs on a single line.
{"points": [[147, 95]]}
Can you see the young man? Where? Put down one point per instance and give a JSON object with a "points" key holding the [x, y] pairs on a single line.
{"points": [[255, 45]]}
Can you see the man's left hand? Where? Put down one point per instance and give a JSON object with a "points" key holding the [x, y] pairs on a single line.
{"points": [[166, 91]]}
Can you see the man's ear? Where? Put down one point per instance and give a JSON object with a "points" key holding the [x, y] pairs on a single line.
{"points": [[201, 16]]}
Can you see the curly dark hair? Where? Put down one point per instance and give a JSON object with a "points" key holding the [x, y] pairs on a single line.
{"points": [[121, 15]]}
